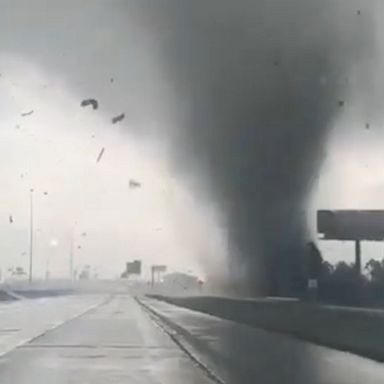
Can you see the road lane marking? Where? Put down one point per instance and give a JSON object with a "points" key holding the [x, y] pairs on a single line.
{"points": [[52, 327]]}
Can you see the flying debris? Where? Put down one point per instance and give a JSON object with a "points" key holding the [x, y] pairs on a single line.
{"points": [[10, 219], [45, 193], [118, 118], [133, 184], [24, 114], [93, 102], [100, 155], [341, 103]]}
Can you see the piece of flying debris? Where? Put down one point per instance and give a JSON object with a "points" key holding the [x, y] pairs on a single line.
{"points": [[88, 102], [118, 118]]}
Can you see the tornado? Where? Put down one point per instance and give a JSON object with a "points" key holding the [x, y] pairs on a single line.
{"points": [[259, 85], [246, 91]]}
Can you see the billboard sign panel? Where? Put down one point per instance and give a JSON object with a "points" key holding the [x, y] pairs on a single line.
{"points": [[134, 267], [159, 268], [351, 224]]}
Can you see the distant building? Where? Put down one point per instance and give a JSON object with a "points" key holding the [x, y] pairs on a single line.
{"points": [[85, 273]]}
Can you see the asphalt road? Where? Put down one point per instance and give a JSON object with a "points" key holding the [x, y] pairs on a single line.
{"points": [[239, 354], [21, 321], [91, 339], [116, 342]]}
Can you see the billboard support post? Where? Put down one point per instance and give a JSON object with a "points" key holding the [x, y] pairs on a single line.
{"points": [[358, 257], [157, 270], [353, 225]]}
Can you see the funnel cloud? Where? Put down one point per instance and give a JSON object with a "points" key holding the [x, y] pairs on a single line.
{"points": [[258, 85], [246, 92]]}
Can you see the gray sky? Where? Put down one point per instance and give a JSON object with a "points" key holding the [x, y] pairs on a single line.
{"points": [[52, 55], [56, 53]]}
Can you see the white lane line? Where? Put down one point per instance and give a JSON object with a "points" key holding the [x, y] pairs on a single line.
{"points": [[52, 327]]}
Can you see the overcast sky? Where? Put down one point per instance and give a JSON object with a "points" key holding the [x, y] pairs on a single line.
{"points": [[53, 54]]}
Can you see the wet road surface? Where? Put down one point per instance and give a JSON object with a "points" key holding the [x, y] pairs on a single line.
{"points": [[117, 341], [21, 321], [240, 354], [114, 343]]}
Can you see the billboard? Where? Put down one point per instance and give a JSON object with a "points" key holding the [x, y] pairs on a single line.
{"points": [[351, 224], [133, 267], [159, 268]]}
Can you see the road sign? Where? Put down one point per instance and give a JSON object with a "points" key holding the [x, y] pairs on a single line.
{"points": [[351, 224], [133, 267], [159, 268]]}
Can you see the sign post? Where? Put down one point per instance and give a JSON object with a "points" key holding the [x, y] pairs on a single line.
{"points": [[354, 225], [157, 269], [358, 257]]}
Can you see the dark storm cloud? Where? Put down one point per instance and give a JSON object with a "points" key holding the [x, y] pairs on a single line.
{"points": [[258, 84], [253, 86]]}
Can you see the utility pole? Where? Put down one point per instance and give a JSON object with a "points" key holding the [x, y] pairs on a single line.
{"points": [[31, 235], [71, 255], [47, 268]]}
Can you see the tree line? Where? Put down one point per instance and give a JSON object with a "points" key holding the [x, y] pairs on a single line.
{"points": [[343, 284]]}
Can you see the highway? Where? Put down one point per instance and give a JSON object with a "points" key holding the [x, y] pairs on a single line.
{"points": [[113, 339], [21, 321], [115, 342], [239, 354]]}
